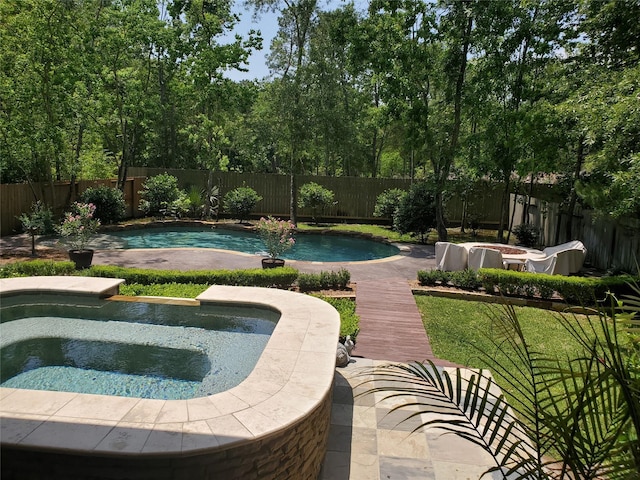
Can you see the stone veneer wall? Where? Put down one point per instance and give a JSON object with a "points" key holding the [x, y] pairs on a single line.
{"points": [[296, 452]]}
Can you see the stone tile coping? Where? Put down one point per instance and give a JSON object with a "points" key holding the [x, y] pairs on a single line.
{"points": [[291, 378], [78, 285]]}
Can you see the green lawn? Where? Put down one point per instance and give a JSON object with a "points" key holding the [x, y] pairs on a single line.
{"points": [[385, 232], [460, 329]]}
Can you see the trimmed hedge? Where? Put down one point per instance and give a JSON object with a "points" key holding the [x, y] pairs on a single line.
{"points": [[574, 290], [278, 277], [324, 280], [31, 268], [275, 277]]}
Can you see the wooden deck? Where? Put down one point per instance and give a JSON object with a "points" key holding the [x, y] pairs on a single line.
{"points": [[390, 323]]}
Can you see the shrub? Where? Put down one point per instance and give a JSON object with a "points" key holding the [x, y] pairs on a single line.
{"points": [[324, 280], [465, 279], [36, 268], [161, 196], [433, 277], [315, 197], [240, 202], [417, 211], [277, 277], [109, 203], [574, 290], [388, 202], [526, 234]]}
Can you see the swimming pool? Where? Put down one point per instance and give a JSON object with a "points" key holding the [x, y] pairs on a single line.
{"points": [[128, 348], [308, 247], [274, 424]]}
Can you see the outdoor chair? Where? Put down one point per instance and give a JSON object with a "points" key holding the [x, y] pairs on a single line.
{"points": [[544, 265], [484, 258], [451, 257], [571, 256]]}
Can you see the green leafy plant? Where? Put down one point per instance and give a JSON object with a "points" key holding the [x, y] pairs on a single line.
{"points": [[527, 234], [315, 197], [388, 202], [417, 211], [195, 196], [109, 203], [276, 234], [240, 202], [585, 291], [160, 196], [277, 277], [35, 268], [37, 222], [324, 280], [79, 225]]}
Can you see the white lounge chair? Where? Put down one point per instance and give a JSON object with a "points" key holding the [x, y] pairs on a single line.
{"points": [[544, 265], [451, 257], [484, 258], [571, 256]]}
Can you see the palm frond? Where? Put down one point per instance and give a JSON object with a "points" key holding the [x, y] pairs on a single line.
{"points": [[469, 405]]}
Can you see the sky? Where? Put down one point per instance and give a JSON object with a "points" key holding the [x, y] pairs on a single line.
{"points": [[268, 26]]}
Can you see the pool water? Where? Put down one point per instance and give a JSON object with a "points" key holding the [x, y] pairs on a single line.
{"points": [[133, 349], [308, 247]]}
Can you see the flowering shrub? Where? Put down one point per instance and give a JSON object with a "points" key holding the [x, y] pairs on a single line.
{"points": [[276, 234], [79, 225]]}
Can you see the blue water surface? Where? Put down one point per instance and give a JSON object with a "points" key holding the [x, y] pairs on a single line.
{"points": [[308, 247]]}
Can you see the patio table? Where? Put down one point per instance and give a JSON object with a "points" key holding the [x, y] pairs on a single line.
{"points": [[512, 255]]}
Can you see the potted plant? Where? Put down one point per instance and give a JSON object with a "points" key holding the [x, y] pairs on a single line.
{"points": [[277, 236], [78, 226]]}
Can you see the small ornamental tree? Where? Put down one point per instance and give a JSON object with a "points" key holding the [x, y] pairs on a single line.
{"points": [[37, 222], [416, 213], [315, 197], [276, 234], [109, 202], [387, 203], [79, 225], [240, 202]]}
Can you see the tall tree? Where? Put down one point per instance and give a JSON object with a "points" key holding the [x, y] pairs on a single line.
{"points": [[423, 80], [289, 51]]}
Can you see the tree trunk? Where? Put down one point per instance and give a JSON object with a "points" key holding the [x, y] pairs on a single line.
{"points": [[504, 211], [293, 206], [573, 196]]}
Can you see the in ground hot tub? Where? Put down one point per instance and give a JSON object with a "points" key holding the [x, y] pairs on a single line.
{"points": [[273, 424]]}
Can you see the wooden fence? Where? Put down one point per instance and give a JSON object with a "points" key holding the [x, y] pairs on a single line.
{"points": [[355, 196], [16, 199]]}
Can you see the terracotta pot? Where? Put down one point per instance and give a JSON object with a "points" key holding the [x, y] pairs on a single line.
{"points": [[82, 258], [272, 262]]}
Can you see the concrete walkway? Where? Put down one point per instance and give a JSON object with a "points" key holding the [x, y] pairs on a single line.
{"points": [[367, 441]]}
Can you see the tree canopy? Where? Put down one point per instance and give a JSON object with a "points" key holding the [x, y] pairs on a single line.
{"points": [[513, 91]]}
